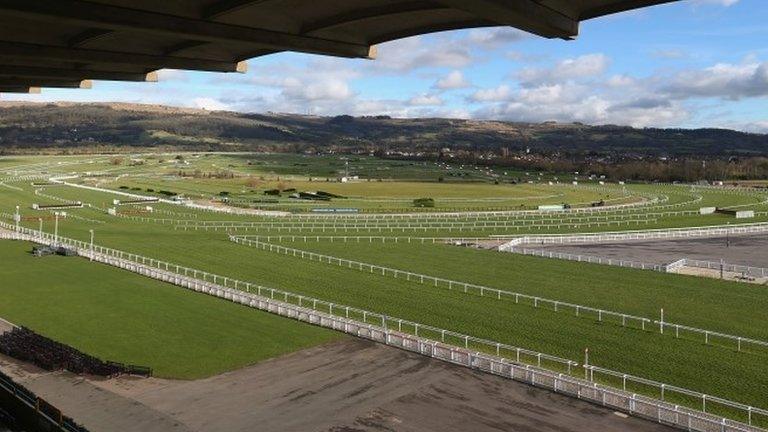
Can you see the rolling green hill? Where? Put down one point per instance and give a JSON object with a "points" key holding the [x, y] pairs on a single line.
{"points": [[110, 126]]}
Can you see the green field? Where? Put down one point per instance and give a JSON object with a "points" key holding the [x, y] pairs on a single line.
{"points": [[119, 316], [198, 239]]}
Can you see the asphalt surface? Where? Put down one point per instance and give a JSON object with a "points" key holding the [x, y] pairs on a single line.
{"points": [[349, 386], [743, 250]]}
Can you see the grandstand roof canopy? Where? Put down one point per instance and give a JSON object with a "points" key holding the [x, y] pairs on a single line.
{"points": [[65, 43]]}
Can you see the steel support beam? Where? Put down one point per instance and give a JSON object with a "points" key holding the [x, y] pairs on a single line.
{"points": [[362, 14], [526, 15], [73, 74], [82, 55], [25, 82], [226, 7], [109, 17]]}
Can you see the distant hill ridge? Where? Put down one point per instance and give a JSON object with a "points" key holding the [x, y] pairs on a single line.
{"points": [[25, 125]]}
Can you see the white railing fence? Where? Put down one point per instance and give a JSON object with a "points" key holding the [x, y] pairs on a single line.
{"points": [[465, 287], [138, 263], [669, 393], [632, 403], [756, 272], [654, 234]]}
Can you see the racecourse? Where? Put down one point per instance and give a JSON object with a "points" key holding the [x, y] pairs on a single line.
{"points": [[131, 306]]}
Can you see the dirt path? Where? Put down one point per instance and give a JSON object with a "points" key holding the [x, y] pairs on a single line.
{"points": [[361, 386], [348, 386]]}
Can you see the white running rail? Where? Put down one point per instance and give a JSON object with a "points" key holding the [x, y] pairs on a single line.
{"points": [[632, 403]]}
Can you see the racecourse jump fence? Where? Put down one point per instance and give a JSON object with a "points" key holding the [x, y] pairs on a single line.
{"points": [[709, 337], [632, 403]]}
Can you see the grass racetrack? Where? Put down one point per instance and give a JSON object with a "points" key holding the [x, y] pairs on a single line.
{"points": [[120, 316], [124, 317]]}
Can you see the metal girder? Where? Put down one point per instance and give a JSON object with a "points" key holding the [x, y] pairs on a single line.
{"points": [[73, 74], [83, 55], [119, 18], [22, 82], [371, 12], [225, 7]]}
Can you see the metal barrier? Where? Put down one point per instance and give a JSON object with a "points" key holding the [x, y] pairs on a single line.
{"points": [[150, 267], [654, 234], [623, 319], [760, 272], [535, 301], [641, 406], [587, 258], [669, 392]]}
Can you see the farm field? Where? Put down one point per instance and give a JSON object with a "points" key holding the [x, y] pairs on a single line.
{"points": [[197, 236]]}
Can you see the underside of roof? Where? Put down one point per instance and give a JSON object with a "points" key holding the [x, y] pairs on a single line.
{"points": [[67, 43]]}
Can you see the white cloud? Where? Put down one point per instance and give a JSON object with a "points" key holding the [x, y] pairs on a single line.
{"points": [[172, 75], [425, 100], [497, 94], [585, 66], [669, 54], [755, 127], [723, 80], [454, 80], [493, 37], [319, 90], [725, 3], [621, 81], [418, 53]]}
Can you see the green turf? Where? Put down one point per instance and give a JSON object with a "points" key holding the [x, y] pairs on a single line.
{"points": [[715, 305], [119, 316]]}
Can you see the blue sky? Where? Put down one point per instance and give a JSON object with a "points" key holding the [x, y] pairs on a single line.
{"points": [[694, 63]]}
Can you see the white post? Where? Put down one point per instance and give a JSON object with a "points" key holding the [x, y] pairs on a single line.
{"points": [[91, 231], [56, 229], [17, 218], [586, 361], [661, 323], [41, 226]]}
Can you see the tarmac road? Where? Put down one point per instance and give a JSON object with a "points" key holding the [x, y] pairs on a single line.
{"points": [[348, 386], [744, 250]]}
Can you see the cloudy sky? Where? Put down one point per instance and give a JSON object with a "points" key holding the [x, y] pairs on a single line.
{"points": [[689, 64]]}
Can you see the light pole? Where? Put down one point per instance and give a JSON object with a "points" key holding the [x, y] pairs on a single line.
{"points": [[17, 218], [41, 227], [91, 231]]}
